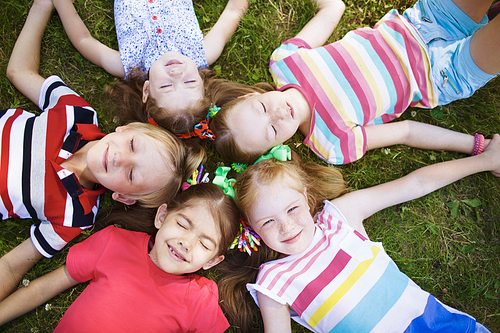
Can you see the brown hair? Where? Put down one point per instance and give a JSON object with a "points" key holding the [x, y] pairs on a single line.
{"points": [[322, 183], [126, 96], [221, 206], [184, 158], [225, 94]]}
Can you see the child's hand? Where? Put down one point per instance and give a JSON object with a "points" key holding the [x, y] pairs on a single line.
{"points": [[492, 152], [238, 6]]}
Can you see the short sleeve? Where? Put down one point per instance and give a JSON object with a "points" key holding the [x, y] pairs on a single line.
{"points": [[83, 257], [288, 48], [209, 316]]}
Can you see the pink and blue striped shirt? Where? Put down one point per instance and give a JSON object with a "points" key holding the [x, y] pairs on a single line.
{"points": [[369, 77], [344, 282]]}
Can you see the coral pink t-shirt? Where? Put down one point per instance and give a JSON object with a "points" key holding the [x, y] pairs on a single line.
{"points": [[129, 293]]}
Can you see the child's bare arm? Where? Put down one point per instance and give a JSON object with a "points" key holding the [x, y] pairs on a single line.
{"points": [[88, 46], [276, 316], [358, 205], [35, 294], [418, 135], [24, 61], [223, 29], [15, 264], [317, 31]]}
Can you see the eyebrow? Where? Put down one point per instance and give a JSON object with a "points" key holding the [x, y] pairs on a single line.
{"points": [[203, 235]]}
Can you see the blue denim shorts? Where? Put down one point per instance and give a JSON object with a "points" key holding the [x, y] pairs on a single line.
{"points": [[447, 30]]}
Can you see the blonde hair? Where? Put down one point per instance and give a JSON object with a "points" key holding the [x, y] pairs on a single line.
{"points": [[238, 269], [126, 96], [184, 158]]}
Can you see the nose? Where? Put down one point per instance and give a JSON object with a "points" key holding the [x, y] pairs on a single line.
{"points": [[186, 242], [286, 225], [121, 159], [175, 72], [278, 114]]}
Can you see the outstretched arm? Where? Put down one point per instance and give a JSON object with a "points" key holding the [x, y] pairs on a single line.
{"points": [[276, 316], [418, 135], [223, 29], [317, 31], [15, 264], [24, 61], [35, 294], [358, 205], [88, 46]]}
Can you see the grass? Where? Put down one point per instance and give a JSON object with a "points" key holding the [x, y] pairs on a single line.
{"points": [[448, 242]]}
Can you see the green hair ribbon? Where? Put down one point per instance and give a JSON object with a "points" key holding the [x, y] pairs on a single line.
{"points": [[279, 152], [221, 180]]}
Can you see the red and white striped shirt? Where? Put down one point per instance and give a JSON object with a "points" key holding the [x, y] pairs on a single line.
{"points": [[32, 182]]}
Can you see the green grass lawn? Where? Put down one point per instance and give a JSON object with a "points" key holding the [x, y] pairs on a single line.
{"points": [[448, 242]]}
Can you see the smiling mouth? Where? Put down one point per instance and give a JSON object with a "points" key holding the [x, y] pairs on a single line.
{"points": [[173, 62], [293, 239], [105, 159], [176, 254], [291, 109]]}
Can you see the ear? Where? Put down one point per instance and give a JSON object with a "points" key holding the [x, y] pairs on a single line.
{"points": [[123, 198], [249, 95], [211, 263], [161, 214], [145, 91], [122, 128]]}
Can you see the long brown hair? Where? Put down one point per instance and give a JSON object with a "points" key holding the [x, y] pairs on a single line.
{"points": [[126, 95], [322, 183], [221, 206], [226, 95]]}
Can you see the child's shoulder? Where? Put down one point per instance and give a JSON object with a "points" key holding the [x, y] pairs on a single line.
{"points": [[203, 284], [288, 48]]}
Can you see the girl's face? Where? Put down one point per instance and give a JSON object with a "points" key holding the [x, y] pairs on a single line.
{"points": [[187, 239], [128, 161], [280, 216], [262, 121], [174, 82]]}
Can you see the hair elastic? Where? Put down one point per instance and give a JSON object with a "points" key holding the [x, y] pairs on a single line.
{"points": [[195, 179], [151, 120], [202, 130], [246, 240]]}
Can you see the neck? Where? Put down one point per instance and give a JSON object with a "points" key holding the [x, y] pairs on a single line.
{"points": [[77, 163], [302, 111]]}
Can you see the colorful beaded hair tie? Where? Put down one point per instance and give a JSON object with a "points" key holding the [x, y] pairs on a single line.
{"points": [[195, 179], [246, 240]]}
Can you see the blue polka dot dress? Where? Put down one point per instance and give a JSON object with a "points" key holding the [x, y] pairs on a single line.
{"points": [[146, 29]]}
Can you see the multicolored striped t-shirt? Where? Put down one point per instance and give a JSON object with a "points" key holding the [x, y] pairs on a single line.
{"points": [[344, 282], [369, 77]]}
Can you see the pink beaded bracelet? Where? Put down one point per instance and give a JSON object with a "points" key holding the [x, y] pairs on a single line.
{"points": [[478, 144]]}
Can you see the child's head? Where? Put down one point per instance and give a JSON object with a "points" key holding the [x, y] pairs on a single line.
{"points": [[195, 229], [141, 96], [142, 162], [279, 199], [232, 142], [279, 183]]}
